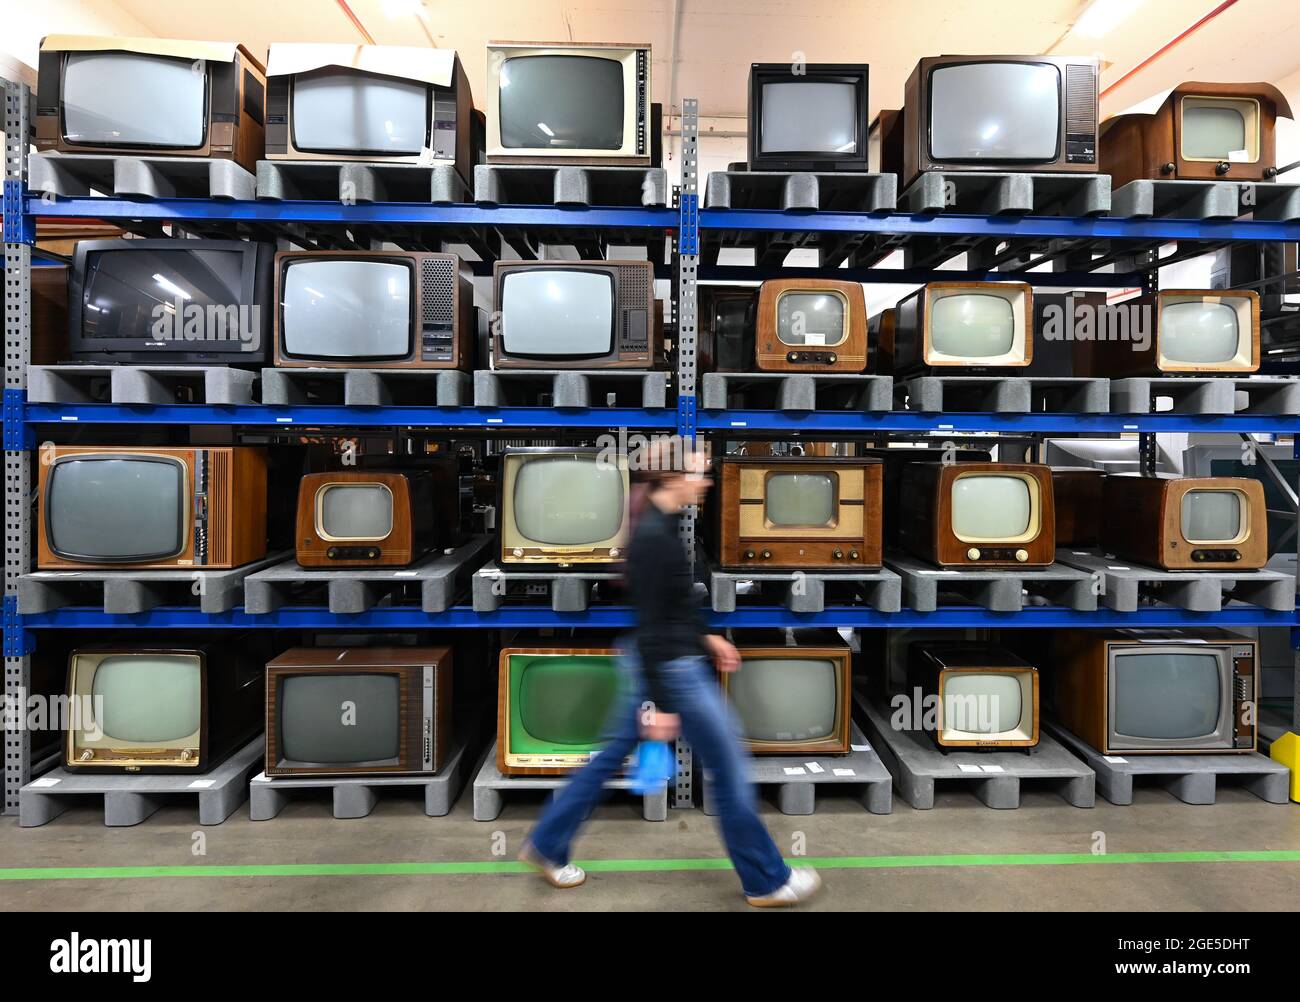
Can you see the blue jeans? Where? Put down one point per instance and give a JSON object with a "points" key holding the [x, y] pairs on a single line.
{"points": [[706, 723]]}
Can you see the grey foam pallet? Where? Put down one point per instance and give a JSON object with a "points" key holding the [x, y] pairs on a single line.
{"points": [[356, 796], [140, 384], [1193, 779], [1007, 394], [366, 387], [994, 193], [126, 592], [570, 388], [995, 777], [528, 184], [131, 798], [441, 577], [998, 590], [798, 391], [491, 788], [1145, 199], [805, 591], [797, 780], [1207, 395], [358, 182], [569, 590], [829, 191], [72, 175], [1124, 585]]}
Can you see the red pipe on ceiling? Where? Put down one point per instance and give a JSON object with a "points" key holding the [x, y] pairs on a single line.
{"points": [[1182, 36], [357, 21]]}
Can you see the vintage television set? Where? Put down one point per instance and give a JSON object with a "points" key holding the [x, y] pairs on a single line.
{"points": [[880, 340], [1190, 332], [141, 507], [1227, 459], [562, 507], [979, 325], [1132, 692], [375, 309], [809, 118], [170, 301], [575, 315], [1186, 523], [569, 103], [385, 103], [402, 720], [1202, 132], [810, 325], [782, 512], [1060, 318], [793, 698], [1076, 493], [162, 707], [1001, 113], [895, 460], [727, 315], [150, 97], [986, 696], [553, 704], [885, 142], [979, 514]]}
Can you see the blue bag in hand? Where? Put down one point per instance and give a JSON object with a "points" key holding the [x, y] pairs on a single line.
{"points": [[653, 767]]}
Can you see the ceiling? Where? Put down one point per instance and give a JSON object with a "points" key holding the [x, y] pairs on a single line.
{"points": [[702, 48]]}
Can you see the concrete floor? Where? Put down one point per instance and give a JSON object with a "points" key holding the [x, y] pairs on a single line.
{"points": [[398, 831]]}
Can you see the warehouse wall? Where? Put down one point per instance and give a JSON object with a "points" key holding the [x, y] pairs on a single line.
{"points": [[27, 21]]}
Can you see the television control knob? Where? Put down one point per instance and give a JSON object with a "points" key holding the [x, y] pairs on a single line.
{"points": [[831, 358], [1022, 555], [767, 554], [973, 553], [1222, 168], [517, 552], [613, 552], [750, 554], [372, 553], [332, 552], [853, 554], [1167, 168], [792, 356], [86, 756], [837, 554], [187, 754]]}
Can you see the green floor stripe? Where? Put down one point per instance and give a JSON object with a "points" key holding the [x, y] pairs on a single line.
{"points": [[634, 865]]}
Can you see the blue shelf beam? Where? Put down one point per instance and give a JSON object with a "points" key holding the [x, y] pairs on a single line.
{"points": [[917, 421], [919, 276]]}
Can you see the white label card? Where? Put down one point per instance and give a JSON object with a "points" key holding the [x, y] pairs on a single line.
{"points": [[860, 747], [203, 784], [1115, 760], [814, 768], [45, 781], [993, 768], [964, 767], [794, 770], [844, 772]]}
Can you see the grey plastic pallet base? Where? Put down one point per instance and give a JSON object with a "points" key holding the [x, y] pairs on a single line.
{"points": [[141, 384], [1191, 778], [994, 194], [72, 175], [916, 764], [354, 182], [128, 592], [829, 191], [998, 590], [490, 787], [1007, 394], [805, 591], [440, 576], [797, 392], [356, 796], [1144, 199], [130, 799], [1274, 201], [797, 793], [570, 590], [568, 388], [1125, 584], [1187, 395], [368, 387], [529, 184]]}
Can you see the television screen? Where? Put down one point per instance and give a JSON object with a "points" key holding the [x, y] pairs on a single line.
{"points": [[314, 728], [356, 511], [990, 507], [567, 501], [785, 699], [351, 112], [1199, 332], [346, 309], [558, 102], [1166, 696], [983, 703], [800, 498], [553, 313], [995, 111], [809, 117], [562, 702], [1211, 516], [972, 325], [122, 288], [811, 318], [119, 509], [133, 99], [1213, 130], [148, 699]]}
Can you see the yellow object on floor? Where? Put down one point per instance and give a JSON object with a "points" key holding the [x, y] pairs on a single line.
{"points": [[1286, 750]]}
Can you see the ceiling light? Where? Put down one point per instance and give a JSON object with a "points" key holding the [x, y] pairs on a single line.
{"points": [[1101, 16]]}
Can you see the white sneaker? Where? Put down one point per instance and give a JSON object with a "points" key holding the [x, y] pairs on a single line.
{"points": [[562, 877], [802, 885]]}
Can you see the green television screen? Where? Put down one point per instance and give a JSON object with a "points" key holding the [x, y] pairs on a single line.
{"points": [[559, 702]]}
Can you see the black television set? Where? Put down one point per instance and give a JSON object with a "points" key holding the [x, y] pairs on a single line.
{"points": [[808, 116]]}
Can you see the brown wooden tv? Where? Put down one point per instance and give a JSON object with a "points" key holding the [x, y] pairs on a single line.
{"points": [[851, 540], [423, 747], [881, 331], [771, 354], [927, 517], [913, 341], [1143, 523], [838, 742], [233, 508], [930, 665], [1076, 493], [722, 350], [1149, 146]]}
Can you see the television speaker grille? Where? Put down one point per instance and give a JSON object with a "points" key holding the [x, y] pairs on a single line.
{"points": [[1081, 99], [220, 535], [438, 286], [634, 290]]}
